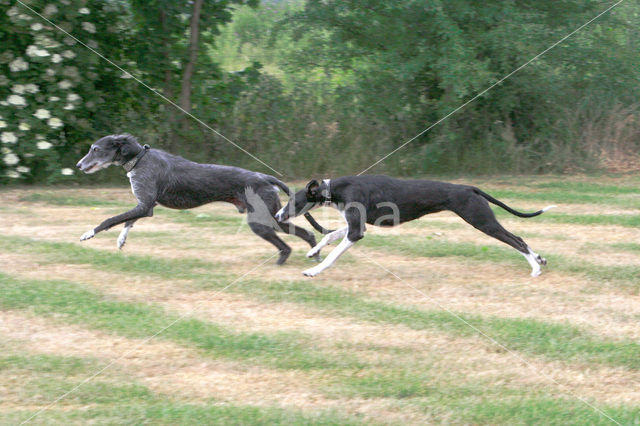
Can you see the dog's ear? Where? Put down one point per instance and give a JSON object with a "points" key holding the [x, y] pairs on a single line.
{"points": [[313, 189], [126, 145]]}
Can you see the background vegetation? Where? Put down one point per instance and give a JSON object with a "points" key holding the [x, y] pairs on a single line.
{"points": [[301, 84]]}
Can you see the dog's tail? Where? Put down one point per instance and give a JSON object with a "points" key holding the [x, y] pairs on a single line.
{"points": [[509, 209], [307, 216]]}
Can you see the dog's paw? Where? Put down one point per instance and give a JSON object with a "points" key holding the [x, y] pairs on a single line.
{"points": [[541, 260], [536, 272], [87, 235], [313, 253], [312, 272], [121, 242]]}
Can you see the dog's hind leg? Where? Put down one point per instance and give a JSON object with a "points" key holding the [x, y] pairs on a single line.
{"points": [[269, 234], [477, 213], [122, 238]]}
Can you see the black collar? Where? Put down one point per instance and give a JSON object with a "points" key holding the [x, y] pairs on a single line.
{"points": [[129, 165]]}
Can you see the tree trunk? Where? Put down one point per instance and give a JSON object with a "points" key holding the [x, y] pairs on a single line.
{"points": [[187, 74], [168, 87]]}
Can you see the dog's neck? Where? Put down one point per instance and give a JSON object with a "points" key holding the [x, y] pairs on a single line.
{"points": [[131, 164]]}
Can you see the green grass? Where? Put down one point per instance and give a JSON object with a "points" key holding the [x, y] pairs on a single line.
{"points": [[44, 363], [626, 220], [630, 247], [555, 341], [124, 401], [545, 410], [588, 187], [163, 412], [58, 199], [74, 304]]}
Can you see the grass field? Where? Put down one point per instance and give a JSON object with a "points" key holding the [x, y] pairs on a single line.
{"points": [[430, 322]]}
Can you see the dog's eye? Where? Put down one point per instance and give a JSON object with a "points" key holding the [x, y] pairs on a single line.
{"points": [[95, 149]]}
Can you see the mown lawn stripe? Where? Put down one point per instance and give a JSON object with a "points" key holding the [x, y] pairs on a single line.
{"points": [[626, 276], [624, 220], [555, 341], [75, 304]]}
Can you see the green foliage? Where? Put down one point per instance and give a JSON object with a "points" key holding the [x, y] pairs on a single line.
{"points": [[55, 93], [361, 77], [302, 83]]}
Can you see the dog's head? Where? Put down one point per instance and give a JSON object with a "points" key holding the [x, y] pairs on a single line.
{"points": [[314, 195], [112, 149]]}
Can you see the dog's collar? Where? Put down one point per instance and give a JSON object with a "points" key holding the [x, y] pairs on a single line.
{"points": [[129, 165], [327, 198]]}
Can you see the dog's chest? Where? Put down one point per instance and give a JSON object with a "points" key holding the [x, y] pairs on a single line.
{"points": [[131, 175]]}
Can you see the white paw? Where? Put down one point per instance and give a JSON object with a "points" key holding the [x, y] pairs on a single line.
{"points": [[313, 252], [121, 241], [311, 272], [87, 235], [536, 272]]}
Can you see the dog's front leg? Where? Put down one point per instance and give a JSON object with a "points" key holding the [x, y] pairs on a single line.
{"points": [[328, 239], [141, 210], [354, 232]]}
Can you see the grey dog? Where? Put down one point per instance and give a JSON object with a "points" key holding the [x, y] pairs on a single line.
{"points": [[158, 177]]}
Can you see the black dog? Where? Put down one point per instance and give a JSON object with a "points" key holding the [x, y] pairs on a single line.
{"points": [[385, 201], [158, 177]]}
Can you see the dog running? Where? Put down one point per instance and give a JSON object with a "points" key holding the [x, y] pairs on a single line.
{"points": [[158, 177], [385, 201]]}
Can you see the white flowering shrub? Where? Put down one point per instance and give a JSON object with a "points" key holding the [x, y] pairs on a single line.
{"points": [[56, 96]]}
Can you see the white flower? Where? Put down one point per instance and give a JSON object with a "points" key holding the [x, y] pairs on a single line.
{"points": [[66, 172], [18, 88], [34, 51], [42, 114], [43, 145], [69, 107], [84, 11], [64, 84], [56, 58], [8, 137], [89, 27], [3, 124], [13, 11], [25, 17], [50, 9], [18, 64], [51, 72], [23, 169], [68, 54], [36, 27], [13, 174], [126, 75], [24, 126], [17, 100], [54, 99], [54, 123], [45, 41], [71, 97], [11, 159], [31, 88]]}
